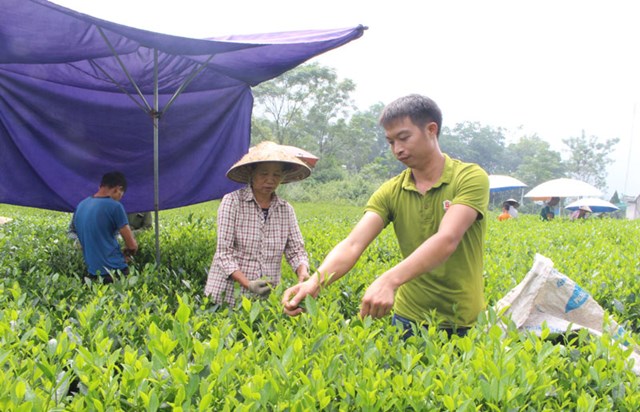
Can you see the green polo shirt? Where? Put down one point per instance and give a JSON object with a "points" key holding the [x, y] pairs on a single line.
{"points": [[455, 289]]}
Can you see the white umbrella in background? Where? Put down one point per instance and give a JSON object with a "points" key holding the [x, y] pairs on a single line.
{"points": [[563, 187], [499, 183], [596, 205]]}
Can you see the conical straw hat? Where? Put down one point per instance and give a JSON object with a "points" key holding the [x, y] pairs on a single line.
{"points": [[512, 201], [295, 169]]}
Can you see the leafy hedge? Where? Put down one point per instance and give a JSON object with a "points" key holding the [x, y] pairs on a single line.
{"points": [[153, 342]]}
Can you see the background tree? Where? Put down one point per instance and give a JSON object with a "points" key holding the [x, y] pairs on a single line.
{"points": [[301, 108], [615, 198], [532, 161], [589, 158], [311, 108], [261, 130], [473, 142], [362, 139]]}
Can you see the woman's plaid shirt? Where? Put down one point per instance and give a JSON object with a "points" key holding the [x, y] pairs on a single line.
{"points": [[248, 242]]}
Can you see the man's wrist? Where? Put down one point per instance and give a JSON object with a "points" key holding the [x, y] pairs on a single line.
{"points": [[317, 282], [391, 279]]}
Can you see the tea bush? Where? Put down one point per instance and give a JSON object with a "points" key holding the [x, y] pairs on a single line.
{"points": [[152, 341]]}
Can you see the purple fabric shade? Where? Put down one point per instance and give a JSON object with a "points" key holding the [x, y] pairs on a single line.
{"points": [[69, 112]]}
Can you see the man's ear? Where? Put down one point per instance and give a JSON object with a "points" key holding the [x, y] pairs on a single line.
{"points": [[432, 127]]}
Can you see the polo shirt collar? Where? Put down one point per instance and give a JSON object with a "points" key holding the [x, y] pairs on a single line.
{"points": [[447, 175]]}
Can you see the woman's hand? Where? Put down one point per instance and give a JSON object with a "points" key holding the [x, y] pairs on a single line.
{"points": [[259, 287]]}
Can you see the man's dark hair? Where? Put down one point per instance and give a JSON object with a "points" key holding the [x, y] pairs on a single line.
{"points": [[114, 179], [420, 109]]}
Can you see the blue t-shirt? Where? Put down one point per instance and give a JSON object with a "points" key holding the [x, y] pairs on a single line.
{"points": [[97, 221]]}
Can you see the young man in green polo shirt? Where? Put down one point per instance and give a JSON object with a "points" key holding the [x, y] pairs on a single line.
{"points": [[437, 206]]}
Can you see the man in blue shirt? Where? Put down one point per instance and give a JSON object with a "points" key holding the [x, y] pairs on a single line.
{"points": [[97, 221]]}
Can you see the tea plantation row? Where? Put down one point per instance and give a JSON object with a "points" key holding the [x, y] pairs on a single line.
{"points": [[153, 342]]}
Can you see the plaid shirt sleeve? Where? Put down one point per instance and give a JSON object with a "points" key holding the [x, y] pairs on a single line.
{"points": [[294, 250], [219, 284], [227, 217]]}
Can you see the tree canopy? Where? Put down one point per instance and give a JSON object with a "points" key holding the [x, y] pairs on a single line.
{"points": [[589, 158], [312, 108]]}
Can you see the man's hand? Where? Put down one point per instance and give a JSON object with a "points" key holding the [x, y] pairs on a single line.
{"points": [[259, 287], [296, 294], [128, 254], [378, 299], [131, 246]]}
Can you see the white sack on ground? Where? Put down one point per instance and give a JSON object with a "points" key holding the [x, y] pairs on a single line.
{"points": [[546, 295]]}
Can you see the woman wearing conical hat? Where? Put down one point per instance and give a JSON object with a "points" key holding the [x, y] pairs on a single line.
{"points": [[256, 227], [513, 207], [580, 213]]}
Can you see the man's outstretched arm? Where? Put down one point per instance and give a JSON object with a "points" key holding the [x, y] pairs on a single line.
{"points": [[338, 262]]}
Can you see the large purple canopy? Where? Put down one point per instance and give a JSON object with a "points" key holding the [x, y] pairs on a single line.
{"points": [[77, 100]]}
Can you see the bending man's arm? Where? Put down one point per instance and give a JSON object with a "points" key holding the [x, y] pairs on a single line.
{"points": [[379, 296], [338, 262], [129, 240]]}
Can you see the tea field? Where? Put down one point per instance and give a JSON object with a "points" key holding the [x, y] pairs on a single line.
{"points": [[152, 342]]}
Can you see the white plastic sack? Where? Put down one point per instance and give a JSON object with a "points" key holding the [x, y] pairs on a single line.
{"points": [[546, 295]]}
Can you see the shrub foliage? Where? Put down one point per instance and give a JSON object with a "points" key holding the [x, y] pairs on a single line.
{"points": [[153, 342]]}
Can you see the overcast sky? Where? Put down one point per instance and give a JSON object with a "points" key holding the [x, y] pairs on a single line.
{"points": [[553, 68]]}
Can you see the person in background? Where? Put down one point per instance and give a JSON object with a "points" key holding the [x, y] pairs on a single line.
{"points": [[137, 222], [97, 221], [580, 213], [437, 207], [547, 211], [505, 212], [513, 205], [256, 227], [140, 221]]}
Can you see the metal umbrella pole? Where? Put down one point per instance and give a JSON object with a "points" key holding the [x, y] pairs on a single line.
{"points": [[156, 155], [155, 113]]}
